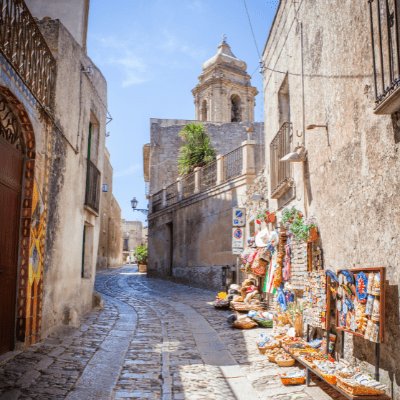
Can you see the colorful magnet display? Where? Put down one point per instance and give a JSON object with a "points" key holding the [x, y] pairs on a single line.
{"points": [[342, 319], [361, 287]]}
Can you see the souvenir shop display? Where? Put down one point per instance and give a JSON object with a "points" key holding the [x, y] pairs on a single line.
{"points": [[316, 309], [360, 302]]}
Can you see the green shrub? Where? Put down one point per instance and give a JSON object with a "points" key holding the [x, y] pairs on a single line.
{"points": [[141, 254], [196, 150]]}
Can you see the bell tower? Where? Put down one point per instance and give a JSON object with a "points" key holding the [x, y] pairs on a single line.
{"points": [[224, 92]]}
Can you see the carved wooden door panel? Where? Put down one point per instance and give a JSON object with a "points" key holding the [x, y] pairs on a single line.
{"points": [[11, 165]]}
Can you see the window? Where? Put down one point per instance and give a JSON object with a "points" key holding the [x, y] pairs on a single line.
{"points": [[236, 108], [280, 171], [385, 45], [284, 102], [92, 192], [125, 248], [204, 111]]}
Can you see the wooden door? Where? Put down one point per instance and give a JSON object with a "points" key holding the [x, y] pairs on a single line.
{"points": [[11, 165]]}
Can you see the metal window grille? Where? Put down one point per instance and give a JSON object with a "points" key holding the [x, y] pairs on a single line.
{"points": [[172, 194], [385, 40], [233, 164], [208, 176], [92, 198], [188, 185], [279, 147], [157, 201], [24, 47]]}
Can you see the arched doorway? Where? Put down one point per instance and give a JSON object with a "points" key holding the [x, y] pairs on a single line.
{"points": [[11, 169]]}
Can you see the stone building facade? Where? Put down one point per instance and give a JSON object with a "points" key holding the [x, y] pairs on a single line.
{"points": [[165, 142], [132, 238], [224, 92], [110, 240], [326, 91], [49, 108], [190, 220]]}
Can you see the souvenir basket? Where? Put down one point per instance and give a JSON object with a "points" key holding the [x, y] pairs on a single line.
{"points": [[356, 389], [244, 324], [222, 305], [292, 381], [246, 307], [264, 323], [345, 375], [330, 378], [272, 358], [272, 345], [262, 350], [285, 363]]}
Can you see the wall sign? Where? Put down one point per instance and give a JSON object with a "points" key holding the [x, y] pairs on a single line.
{"points": [[237, 238], [105, 188], [239, 216], [237, 251]]}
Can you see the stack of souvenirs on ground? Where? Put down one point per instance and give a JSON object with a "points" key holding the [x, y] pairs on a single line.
{"points": [[357, 295]]}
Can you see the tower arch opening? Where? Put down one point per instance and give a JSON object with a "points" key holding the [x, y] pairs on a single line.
{"points": [[204, 111], [236, 110]]}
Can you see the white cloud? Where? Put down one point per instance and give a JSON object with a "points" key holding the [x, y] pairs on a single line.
{"points": [[132, 170], [196, 6]]}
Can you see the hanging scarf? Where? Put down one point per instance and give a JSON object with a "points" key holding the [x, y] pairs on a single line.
{"points": [[286, 269]]}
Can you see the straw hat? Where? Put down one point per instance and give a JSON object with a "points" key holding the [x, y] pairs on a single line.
{"points": [[262, 238]]}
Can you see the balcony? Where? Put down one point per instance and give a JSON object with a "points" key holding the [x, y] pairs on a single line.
{"points": [[280, 171], [384, 25], [25, 49], [92, 197], [237, 163]]}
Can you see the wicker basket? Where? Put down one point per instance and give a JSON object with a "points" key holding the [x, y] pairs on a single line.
{"points": [[244, 324], [357, 390], [292, 381], [285, 363], [263, 322], [272, 358], [246, 308], [345, 375]]}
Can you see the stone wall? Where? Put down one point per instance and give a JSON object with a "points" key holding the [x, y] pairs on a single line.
{"points": [[73, 14], [68, 282], [133, 232], [349, 183], [191, 241], [110, 240], [166, 142]]}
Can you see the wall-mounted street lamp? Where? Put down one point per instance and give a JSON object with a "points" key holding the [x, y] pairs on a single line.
{"points": [[311, 127], [134, 204]]}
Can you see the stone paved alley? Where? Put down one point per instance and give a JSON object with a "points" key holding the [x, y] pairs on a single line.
{"points": [[153, 340]]}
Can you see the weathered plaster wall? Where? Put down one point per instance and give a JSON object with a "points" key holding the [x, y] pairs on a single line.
{"points": [[73, 14], [201, 236], [166, 142], [110, 245], [351, 186], [133, 232], [77, 104]]}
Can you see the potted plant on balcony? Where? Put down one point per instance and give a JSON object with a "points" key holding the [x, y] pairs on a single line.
{"points": [[196, 150], [264, 215], [141, 256]]}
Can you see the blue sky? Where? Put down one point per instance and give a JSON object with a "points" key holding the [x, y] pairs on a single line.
{"points": [[151, 52]]}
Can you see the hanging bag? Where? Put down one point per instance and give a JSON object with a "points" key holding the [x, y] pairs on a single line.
{"points": [[259, 266]]}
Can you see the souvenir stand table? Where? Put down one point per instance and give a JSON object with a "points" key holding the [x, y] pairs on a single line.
{"points": [[361, 286]]}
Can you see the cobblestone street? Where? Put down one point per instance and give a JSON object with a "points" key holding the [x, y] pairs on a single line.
{"points": [[153, 340]]}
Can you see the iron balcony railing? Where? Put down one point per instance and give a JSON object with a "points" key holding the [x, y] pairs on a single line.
{"points": [[279, 147], [233, 164], [92, 198], [157, 201], [24, 47], [208, 176]]}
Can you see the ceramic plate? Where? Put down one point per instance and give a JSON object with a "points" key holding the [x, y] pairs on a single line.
{"points": [[361, 286]]}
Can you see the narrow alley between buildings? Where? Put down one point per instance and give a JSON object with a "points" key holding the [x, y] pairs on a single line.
{"points": [[152, 340]]}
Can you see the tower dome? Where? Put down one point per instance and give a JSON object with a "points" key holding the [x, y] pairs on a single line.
{"points": [[224, 92]]}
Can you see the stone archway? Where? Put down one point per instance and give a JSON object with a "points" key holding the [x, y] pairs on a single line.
{"points": [[33, 213]]}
